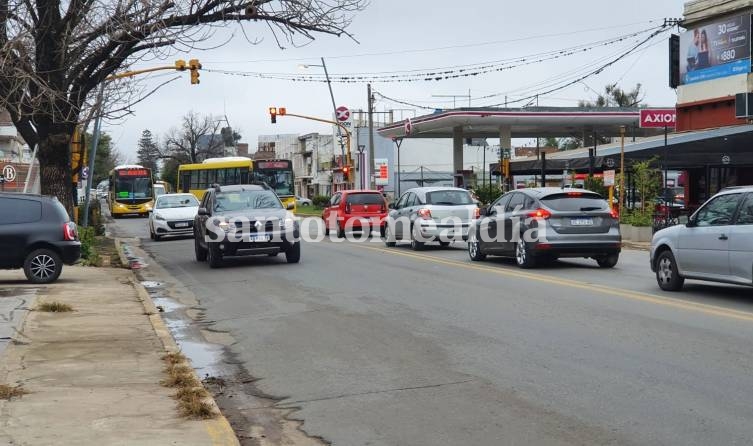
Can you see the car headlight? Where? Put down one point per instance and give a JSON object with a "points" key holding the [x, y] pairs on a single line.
{"points": [[159, 217], [287, 223], [225, 226]]}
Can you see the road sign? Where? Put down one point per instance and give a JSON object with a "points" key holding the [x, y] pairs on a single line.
{"points": [[408, 126], [382, 171], [342, 113], [9, 172], [85, 172], [609, 178], [658, 117]]}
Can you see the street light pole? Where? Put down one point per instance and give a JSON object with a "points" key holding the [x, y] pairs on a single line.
{"points": [[622, 167], [334, 106], [93, 153]]}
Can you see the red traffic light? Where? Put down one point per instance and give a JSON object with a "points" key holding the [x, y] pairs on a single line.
{"points": [[281, 111]]}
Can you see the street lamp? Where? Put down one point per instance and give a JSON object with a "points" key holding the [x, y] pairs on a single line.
{"points": [[331, 95]]}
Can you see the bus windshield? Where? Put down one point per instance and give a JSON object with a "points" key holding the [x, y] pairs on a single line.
{"points": [[129, 188], [281, 181]]}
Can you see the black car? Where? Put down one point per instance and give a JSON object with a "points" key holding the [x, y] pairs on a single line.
{"points": [[244, 219], [37, 235]]}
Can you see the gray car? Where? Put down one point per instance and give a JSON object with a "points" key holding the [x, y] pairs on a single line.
{"points": [[716, 244], [546, 224], [430, 214]]}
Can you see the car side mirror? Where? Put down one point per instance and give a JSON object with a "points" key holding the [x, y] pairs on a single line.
{"points": [[391, 206], [203, 211], [290, 206], [483, 212]]}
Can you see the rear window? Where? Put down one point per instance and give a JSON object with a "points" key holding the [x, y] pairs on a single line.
{"points": [[449, 198], [17, 210], [575, 202], [364, 199]]}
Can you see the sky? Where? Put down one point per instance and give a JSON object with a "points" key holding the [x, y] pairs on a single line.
{"points": [[420, 35]]}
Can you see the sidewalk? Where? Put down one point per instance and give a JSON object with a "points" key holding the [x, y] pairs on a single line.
{"points": [[93, 375]]}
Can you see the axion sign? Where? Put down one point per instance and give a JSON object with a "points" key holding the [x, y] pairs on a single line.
{"points": [[658, 117], [342, 113]]}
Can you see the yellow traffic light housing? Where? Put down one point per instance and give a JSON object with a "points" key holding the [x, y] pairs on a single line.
{"points": [[282, 111], [180, 65], [506, 167], [194, 66], [273, 114]]}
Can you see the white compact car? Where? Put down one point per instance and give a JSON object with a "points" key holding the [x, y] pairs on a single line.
{"points": [[173, 214]]}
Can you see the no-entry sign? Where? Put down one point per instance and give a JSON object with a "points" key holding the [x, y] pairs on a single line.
{"points": [[658, 117]]}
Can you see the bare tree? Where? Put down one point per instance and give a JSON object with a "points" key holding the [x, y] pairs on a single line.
{"points": [[196, 140], [54, 54]]}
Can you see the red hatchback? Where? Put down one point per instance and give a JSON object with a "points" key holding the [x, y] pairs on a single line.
{"points": [[355, 209]]}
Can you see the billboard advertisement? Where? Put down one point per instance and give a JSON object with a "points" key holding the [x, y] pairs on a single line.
{"points": [[715, 50], [382, 174]]}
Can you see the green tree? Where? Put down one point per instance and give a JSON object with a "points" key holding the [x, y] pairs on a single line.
{"points": [[170, 172], [147, 151], [106, 158]]}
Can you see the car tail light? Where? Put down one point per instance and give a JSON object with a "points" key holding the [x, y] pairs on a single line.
{"points": [[615, 214], [347, 208], [424, 213], [574, 194], [69, 232], [540, 214], [383, 208], [477, 213]]}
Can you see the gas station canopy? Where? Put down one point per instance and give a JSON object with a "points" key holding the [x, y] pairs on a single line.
{"points": [[529, 122]]}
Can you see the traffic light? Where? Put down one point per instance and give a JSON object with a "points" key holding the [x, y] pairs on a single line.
{"points": [[180, 65], [282, 111], [194, 66], [273, 114], [346, 173], [506, 167]]}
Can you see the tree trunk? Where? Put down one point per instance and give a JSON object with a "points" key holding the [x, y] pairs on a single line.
{"points": [[55, 167]]}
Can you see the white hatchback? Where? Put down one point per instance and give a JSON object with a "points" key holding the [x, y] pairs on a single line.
{"points": [[173, 214], [716, 244]]}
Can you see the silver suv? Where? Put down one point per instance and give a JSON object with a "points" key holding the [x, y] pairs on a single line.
{"points": [[716, 243]]}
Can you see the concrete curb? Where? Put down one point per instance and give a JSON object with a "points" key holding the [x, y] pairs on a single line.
{"points": [[636, 246], [219, 428]]}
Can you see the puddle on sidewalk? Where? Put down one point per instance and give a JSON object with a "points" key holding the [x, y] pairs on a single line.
{"points": [[205, 358]]}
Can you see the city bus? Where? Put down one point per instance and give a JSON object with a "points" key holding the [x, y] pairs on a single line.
{"points": [[277, 174], [131, 191]]}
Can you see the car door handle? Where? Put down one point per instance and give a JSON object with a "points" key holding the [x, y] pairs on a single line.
{"points": [[723, 237]]}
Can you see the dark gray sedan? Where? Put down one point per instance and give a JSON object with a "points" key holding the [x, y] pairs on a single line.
{"points": [[538, 224]]}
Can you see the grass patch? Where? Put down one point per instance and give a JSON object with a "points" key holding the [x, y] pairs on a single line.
{"points": [[309, 211], [7, 392], [54, 307], [196, 407], [191, 394]]}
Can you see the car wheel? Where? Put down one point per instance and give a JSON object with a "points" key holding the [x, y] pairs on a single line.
{"points": [[389, 239], [474, 249], [608, 261], [43, 266], [667, 276], [151, 232], [415, 244], [214, 256], [200, 251], [340, 231], [293, 254], [523, 256]]}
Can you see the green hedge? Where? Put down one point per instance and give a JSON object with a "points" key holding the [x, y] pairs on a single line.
{"points": [[320, 200]]}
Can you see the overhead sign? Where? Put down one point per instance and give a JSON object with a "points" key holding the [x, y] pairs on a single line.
{"points": [[342, 113], [9, 173], [133, 173], [658, 117], [272, 164], [717, 49], [609, 178], [382, 177]]}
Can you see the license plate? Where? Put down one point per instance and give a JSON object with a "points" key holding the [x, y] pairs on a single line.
{"points": [[181, 225], [582, 221], [260, 238]]}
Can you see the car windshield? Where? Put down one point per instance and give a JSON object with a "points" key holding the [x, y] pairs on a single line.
{"points": [[364, 199], [281, 181], [182, 201], [449, 198], [133, 187], [246, 199], [575, 202]]}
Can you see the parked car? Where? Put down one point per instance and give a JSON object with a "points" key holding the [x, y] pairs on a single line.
{"points": [[173, 214], [356, 210], [430, 214], [716, 244], [37, 235], [560, 222], [244, 219], [300, 201]]}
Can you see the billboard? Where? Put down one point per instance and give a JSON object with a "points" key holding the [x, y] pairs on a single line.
{"points": [[715, 50], [382, 174], [658, 117]]}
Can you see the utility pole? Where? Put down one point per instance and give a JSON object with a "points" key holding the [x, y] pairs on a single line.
{"points": [[334, 107], [622, 167], [370, 100]]}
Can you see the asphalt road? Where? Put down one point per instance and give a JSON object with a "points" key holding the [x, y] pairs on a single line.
{"points": [[381, 346]]}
